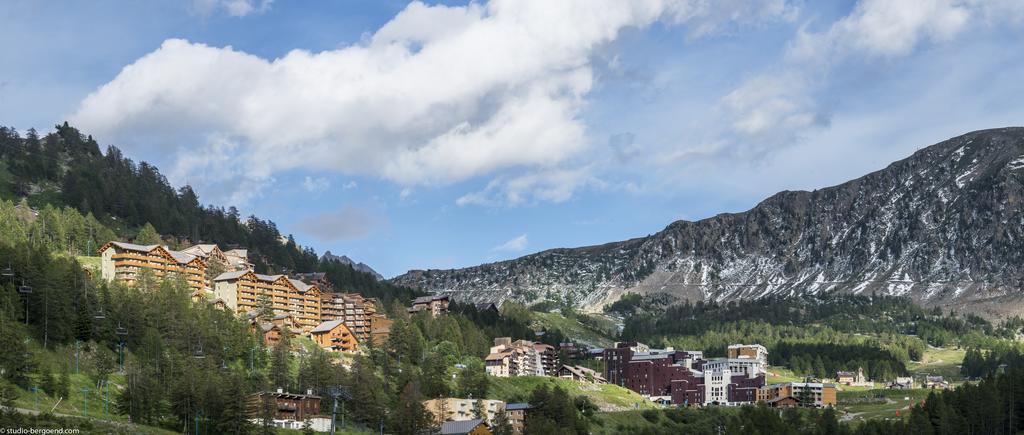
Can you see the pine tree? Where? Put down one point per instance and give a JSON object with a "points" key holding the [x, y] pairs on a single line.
{"points": [[501, 424], [47, 381], [480, 409], [264, 308], [280, 362], [64, 384], [104, 365], [410, 416], [148, 236], [435, 376]]}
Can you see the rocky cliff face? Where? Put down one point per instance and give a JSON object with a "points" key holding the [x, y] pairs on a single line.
{"points": [[943, 226]]}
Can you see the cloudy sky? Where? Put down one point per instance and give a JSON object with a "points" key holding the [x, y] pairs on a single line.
{"points": [[446, 134]]}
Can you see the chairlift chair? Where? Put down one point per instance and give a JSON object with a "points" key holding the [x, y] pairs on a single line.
{"points": [[198, 354]]}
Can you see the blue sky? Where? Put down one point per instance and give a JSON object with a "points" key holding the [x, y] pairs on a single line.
{"points": [[436, 135]]}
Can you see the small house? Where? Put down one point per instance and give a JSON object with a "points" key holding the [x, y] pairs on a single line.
{"points": [[466, 427]]}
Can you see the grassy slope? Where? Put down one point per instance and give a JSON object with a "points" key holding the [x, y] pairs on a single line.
{"points": [[90, 263], [574, 329], [944, 361], [863, 405], [611, 422], [606, 397], [75, 405]]}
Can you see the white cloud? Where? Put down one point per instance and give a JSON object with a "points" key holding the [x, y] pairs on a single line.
{"points": [[556, 185], [437, 95], [349, 185], [316, 185], [778, 107], [234, 8], [885, 28], [517, 244]]}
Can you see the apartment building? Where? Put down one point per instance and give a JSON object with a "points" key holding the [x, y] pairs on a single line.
{"points": [[380, 329], [242, 292], [548, 358], [334, 336], [581, 374], [456, 409], [806, 394], [272, 330], [317, 278], [358, 313], [125, 261], [516, 414], [436, 305], [748, 351], [233, 260], [683, 377], [509, 358], [749, 367]]}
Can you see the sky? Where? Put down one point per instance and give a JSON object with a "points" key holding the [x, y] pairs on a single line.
{"points": [[413, 135]]}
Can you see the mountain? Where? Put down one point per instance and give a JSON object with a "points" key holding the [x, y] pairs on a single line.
{"points": [[362, 267], [943, 226]]}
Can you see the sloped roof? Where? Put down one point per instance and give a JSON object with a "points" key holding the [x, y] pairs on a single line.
{"points": [[301, 286], [326, 326], [460, 427], [517, 406], [134, 247], [202, 250], [429, 299], [268, 278], [497, 356], [181, 257], [230, 275]]}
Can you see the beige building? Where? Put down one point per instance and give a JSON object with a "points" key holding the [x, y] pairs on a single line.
{"points": [[509, 358], [455, 409], [581, 374], [242, 292], [334, 336], [358, 313], [748, 351], [818, 395], [220, 261], [235, 259], [436, 305], [854, 379], [380, 329], [125, 261], [516, 414]]}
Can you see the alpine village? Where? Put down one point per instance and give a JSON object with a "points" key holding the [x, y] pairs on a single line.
{"points": [[144, 300]]}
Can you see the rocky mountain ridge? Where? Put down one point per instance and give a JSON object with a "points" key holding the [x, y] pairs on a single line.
{"points": [[943, 226], [362, 267]]}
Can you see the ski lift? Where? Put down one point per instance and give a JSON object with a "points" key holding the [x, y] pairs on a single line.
{"points": [[24, 289], [7, 272], [120, 330], [198, 354], [100, 315]]}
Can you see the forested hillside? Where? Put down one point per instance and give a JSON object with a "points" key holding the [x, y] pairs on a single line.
{"points": [[65, 171]]}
